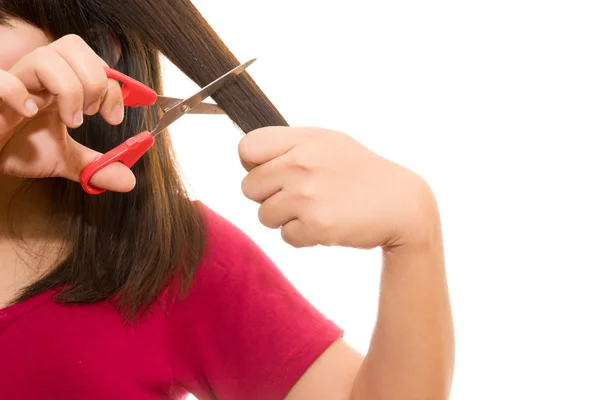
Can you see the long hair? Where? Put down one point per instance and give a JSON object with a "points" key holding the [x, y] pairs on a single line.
{"points": [[130, 246]]}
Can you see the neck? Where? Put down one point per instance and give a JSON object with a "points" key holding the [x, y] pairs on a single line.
{"points": [[24, 214], [30, 243], [8, 187]]}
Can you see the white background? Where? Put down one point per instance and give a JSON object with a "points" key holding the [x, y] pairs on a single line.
{"points": [[496, 104]]}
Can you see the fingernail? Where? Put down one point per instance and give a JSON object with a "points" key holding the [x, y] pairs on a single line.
{"points": [[93, 108], [31, 107], [116, 115], [78, 118]]}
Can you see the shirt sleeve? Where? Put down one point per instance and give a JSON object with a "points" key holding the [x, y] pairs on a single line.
{"points": [[244, 331]]}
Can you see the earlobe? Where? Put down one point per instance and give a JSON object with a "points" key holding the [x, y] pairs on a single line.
{"points": [[116, 45]]}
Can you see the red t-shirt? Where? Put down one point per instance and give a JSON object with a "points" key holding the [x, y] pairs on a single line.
{"points": [[244, 332]]}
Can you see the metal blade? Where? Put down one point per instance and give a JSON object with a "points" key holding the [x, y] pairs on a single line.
{"points": [[180, 109], [166, 103]]}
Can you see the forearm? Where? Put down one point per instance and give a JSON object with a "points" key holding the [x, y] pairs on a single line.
{"points": [[411, 355]]}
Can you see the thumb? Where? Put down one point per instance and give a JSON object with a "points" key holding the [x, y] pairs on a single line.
{"points": [[265, 144], [115, 177]]}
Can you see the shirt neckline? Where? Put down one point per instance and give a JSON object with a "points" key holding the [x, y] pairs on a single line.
{"points": [[16, 310]]}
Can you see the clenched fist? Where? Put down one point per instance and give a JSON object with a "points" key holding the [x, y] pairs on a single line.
{"points": [[321, 187]]}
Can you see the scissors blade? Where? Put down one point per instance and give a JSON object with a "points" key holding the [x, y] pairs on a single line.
{"points": [[185, 107], [166, 103]]}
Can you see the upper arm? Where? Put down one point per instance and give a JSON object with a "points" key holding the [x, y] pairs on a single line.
{"points": [[331, 376], [245, 332]]}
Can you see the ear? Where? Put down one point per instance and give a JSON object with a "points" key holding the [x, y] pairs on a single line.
{"points": [[107, 44], [116, 45]]}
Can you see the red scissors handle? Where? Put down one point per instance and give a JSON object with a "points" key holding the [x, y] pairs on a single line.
{"points": [[128, 153], [135, 94]]}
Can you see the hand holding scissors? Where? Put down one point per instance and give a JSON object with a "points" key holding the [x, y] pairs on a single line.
{"points": [[136, 94], [49, 90]]}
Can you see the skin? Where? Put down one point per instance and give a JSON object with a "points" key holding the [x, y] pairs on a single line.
{"points": [[46, 87], [319, 187], [311, 184]]}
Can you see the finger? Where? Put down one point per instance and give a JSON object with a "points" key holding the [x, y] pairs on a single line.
{"points": [[9, 118], [115, 177], [88, 67], [15, 104], [297, 234], [280, 209], [267, 179], [45, 69], [112, 108], [264, 144], [14, 94]]}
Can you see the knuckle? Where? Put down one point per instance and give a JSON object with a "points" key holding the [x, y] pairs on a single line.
{"points": [[113, 87], [307, 190], [72, 90], [113, 92], [303, 160], [264, 217], [244, 148], [247, 187], [289, 238], [259, 132], [41, 54], [96, 87], [70, 40], [320, 220], [308, 134]]}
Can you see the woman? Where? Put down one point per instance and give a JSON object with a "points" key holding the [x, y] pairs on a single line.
{"points": [[141, 293]]}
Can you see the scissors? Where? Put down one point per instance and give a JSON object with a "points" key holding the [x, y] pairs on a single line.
{"points": [[136, 94]]}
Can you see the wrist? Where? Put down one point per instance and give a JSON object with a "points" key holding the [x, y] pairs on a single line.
{"points": [[418, 225], [423, 252]]}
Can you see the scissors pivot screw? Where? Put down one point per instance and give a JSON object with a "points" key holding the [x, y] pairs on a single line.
{"points": [[137, 94]]}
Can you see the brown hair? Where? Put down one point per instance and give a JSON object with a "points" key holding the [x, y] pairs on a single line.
{"points": [[131, 245]]}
